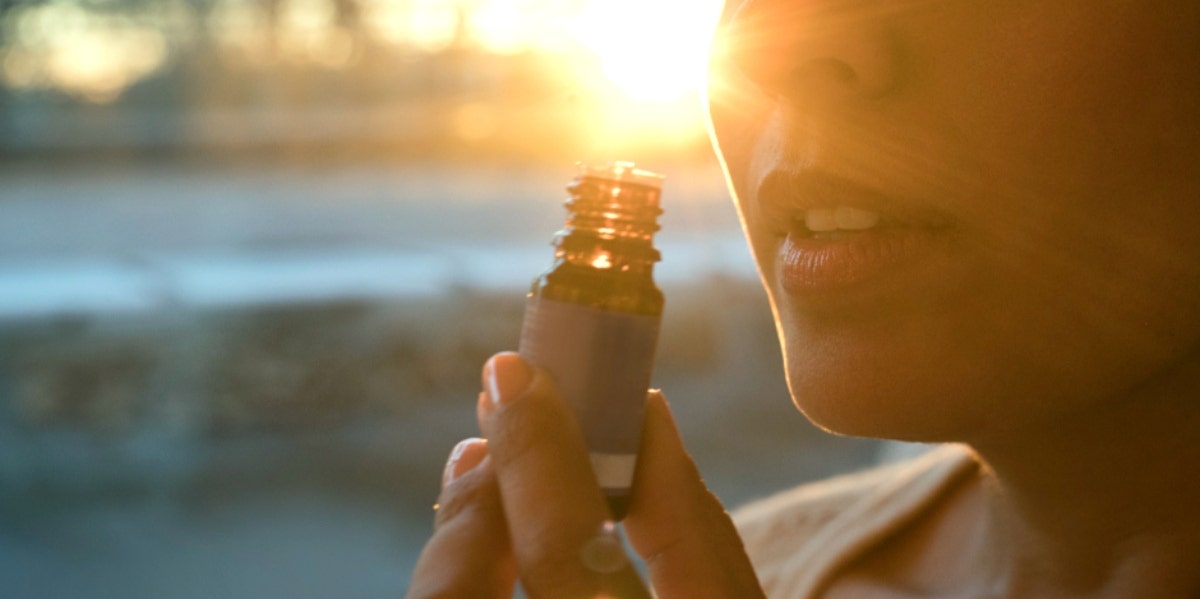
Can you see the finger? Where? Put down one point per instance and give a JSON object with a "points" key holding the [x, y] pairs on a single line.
{"points": [[468, 555], [677, 525], [555, 510]]}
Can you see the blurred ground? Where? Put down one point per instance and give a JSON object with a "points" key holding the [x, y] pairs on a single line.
{"points": [[224, 380]]}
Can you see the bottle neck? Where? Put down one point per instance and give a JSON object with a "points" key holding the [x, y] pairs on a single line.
{"points": [[610, 226], [605, 255]]}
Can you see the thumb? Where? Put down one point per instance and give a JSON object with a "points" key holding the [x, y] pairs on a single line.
{"points": [[677, 525]]}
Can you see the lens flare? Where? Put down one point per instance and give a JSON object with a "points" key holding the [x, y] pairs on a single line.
{"points": [[653, 50]]}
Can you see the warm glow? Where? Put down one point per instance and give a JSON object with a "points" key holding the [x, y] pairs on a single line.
{"points": [[308, 32], [653, 50], [90, 54], [617, 72], [514, 26], [240, 26], [500, 26], [475, 121], [424, 25], [602, 260]]}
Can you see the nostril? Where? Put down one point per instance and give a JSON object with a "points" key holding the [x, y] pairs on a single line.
{"points": [[826, 71], [810, 80]]}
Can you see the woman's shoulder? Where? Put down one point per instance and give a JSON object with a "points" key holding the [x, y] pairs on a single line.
{"points": [[797, 538]]}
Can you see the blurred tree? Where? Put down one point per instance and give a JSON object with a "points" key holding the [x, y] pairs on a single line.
{"points": [[348, 14], [7, 123]]}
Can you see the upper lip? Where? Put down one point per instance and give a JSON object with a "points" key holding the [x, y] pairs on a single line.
{"points": [[784, 195]]}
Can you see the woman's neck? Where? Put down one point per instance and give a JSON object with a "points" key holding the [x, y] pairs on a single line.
{"points": [[1104, 504]]}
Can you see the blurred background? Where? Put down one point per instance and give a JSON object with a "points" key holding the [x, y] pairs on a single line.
{"points": [[254, 252]]}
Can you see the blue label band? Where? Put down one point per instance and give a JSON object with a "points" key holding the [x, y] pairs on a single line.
{"points": [[601, 362]]}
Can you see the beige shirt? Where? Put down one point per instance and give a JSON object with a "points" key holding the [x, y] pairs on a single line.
{"points": [[799, 539]]}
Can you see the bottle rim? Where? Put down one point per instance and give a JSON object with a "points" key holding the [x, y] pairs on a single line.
{"points": [[622, 172]]}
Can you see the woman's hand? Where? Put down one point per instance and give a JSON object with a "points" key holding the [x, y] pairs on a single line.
{"points": [[525, 504]]}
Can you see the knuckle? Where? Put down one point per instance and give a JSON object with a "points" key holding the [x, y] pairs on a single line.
{"points": [[475, 494], [519, 433], [665, 548]]}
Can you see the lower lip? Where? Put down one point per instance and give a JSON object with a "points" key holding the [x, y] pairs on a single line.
{"points": [[811, 266]]}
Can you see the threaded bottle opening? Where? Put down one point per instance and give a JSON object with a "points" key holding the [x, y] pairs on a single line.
{"points": [[616, 202]]}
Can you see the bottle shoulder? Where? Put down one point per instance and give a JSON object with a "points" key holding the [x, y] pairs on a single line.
{"points": [[605, 289]]}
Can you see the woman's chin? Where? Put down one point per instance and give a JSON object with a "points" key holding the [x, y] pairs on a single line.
{"points": [[874, 418], [877, 405]]}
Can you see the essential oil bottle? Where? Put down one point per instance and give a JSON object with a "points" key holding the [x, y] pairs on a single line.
{"points": [[592, 318]]}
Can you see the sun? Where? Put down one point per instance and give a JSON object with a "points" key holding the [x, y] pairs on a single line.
{"points": [[652, 50]]}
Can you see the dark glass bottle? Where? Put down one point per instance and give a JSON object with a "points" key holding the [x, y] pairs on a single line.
{"points": [[592, 318]]}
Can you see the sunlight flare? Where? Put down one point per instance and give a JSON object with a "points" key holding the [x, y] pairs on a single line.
{"points": [[652, 50]]}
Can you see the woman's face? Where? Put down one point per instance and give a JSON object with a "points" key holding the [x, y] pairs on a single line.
{"points": [[970, 217]]}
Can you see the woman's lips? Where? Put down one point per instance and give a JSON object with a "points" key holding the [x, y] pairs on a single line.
{"points": [[811, 263], [838, 235]]}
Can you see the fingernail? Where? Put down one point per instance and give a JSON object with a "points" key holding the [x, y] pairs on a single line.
{"points": [[465, 456], [506, 375]]}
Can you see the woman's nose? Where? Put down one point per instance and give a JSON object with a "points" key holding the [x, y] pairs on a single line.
{"points": [[812, 50]]}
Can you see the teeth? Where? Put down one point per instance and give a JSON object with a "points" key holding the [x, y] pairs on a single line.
{"points": [[855, 219], [841, 218]]}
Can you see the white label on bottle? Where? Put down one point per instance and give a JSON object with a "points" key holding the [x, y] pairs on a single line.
{"points": [[601, 361], [613, 471]]}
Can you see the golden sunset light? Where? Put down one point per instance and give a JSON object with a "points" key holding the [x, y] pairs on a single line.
{"points": [[615, 76], [652, 50]]}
